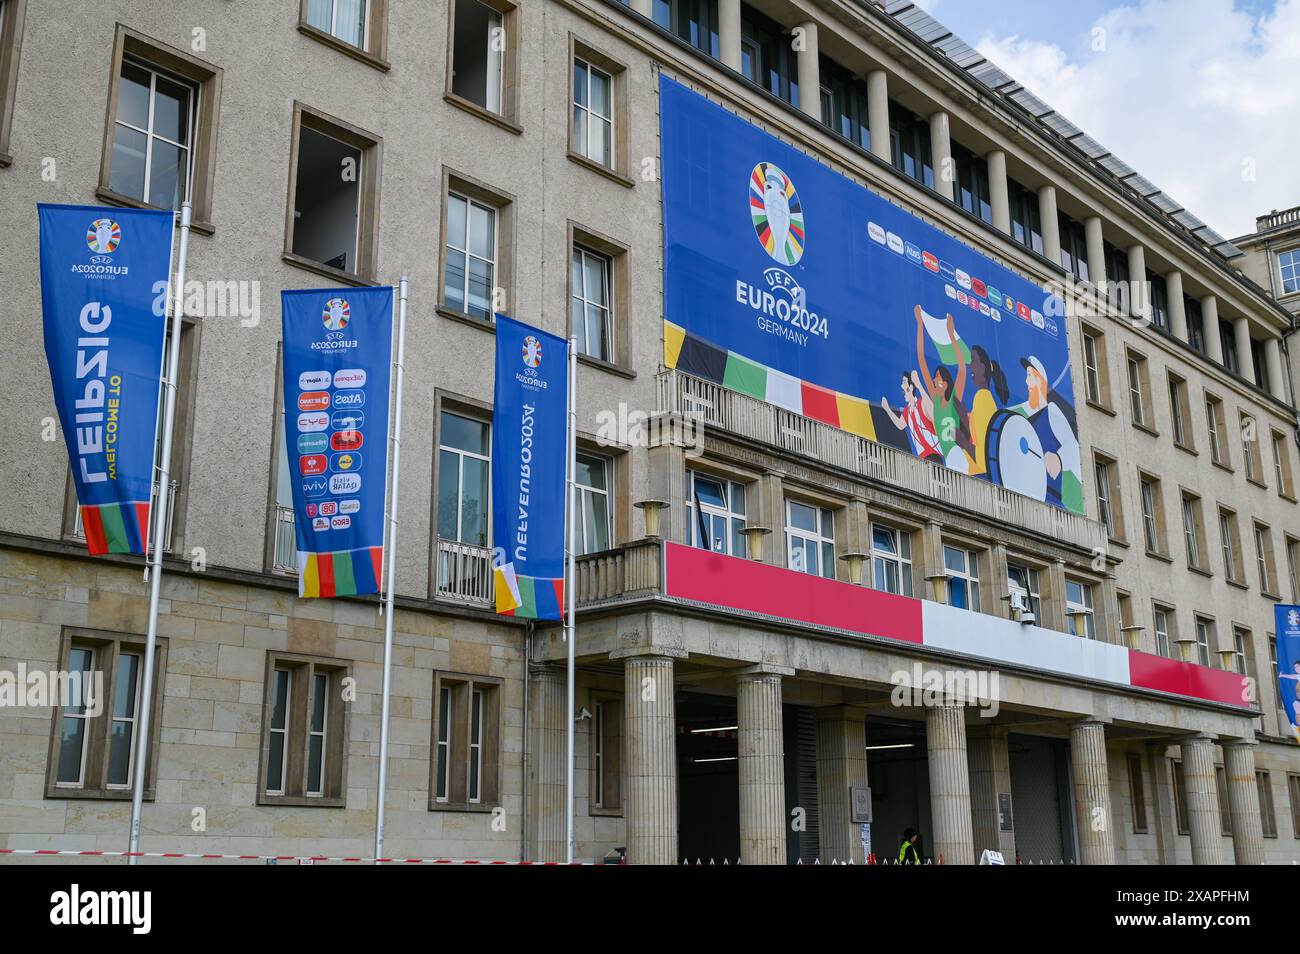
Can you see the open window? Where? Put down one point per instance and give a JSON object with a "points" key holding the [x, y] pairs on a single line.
{"points": [[358, 28], [481, 67]]}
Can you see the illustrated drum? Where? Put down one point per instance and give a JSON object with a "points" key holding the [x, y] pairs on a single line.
{"points": [[1015, 455]]}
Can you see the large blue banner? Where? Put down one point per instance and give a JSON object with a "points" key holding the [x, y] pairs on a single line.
{"points": [[338, 359], [1288, 662], [529, 451], [103, 296], [787, 281]]}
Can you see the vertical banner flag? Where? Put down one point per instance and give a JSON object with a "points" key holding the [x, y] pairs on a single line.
{"points": [[338, 360], [1288, 662], [103, 295], [529, 450]]}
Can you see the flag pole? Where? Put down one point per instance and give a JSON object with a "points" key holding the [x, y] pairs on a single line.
{"points": [[570, 588], [160, 515], [390, 567]]}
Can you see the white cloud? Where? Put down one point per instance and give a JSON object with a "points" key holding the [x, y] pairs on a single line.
{"points": [[1197, 96]]}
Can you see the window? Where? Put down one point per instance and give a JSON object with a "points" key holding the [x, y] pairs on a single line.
{"points": [[909, 144], [1195, 324], [481, 65], [1217, 426], [1139, 391], [1163, 618], [332, 221], [1250, 449], [465, 774], [1153, 515], [1259, 364], [767, 57], [1074, 247], [304, 740], [93, 737], [1179, 412], [152, 136], [283, 556], [593, 112], [1272, 660], [1204, 639], [159, 143], [1024, 581], [464, 567], [1264, 559], [1242, 655], [963, 584], [1180, 798], [593, 484], [1293, 790], [1118, 291], [1193, 531], [810, 539], [1225, 812], [844, 103], [470, 256], [971, 188], [1137, 793], [1288, 264], [12, 14], [1159, 301], [715, 514], [891, 559], [1103, 471], [1267, 814], [1230, 542], [1026, 227], [1096, 372], [1282, 465], [1078, 609], [592, 305], [356, 27], [606, 754], [1228, 342], [695, 21], [1293, 567]]}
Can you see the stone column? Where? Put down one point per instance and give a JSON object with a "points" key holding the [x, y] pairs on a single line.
{"points": [[1213, 342], [810, 72], [990, 773], [1177, 307], [1163, 820], [1276, 375], [1245, 357], [548, 762], [1096, 250], [644, 7], [1052, 600], [1000, 580], [999, 197], [950, 808], [841, 765], [1243, 802], [729, 32], [1202, 800], [945, 173], [771, 513], [650, 783], [1139, 300], [1050, 224], [878, 113], [762, 769], [1092, 793]]}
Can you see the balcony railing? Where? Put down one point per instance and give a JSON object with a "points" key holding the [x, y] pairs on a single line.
{"points": [[630, 571], [731, 411], [79, 532], [464, 573], [1276, 219], [285, 557]]}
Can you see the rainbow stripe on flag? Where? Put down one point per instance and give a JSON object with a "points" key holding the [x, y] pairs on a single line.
{"points": [[527, 597], [116, 527], [694, 355], [344, 573]]}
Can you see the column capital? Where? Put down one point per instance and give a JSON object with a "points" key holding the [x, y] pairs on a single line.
{"points": [[647, 653], [762, 671]]}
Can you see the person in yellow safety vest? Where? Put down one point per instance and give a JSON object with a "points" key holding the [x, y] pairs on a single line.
{"points": [[907, 853]]}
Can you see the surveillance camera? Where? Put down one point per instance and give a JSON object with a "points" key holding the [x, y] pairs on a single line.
{"points": [[583, 713]]}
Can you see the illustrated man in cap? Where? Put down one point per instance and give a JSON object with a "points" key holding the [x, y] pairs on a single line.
{"points": [[1056, 433]]}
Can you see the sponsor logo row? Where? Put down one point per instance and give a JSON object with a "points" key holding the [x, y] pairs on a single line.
{"points": [[343, 378], [315, 421], [321, 400]]}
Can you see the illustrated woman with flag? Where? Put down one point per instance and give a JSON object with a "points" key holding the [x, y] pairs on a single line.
{"points": [[952, 423], [917, 418]]}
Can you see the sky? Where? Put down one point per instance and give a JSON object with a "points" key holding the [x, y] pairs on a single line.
{"points": [[1200, 96]]}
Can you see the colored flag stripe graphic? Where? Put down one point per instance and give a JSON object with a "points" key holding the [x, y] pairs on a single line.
{"points": [[115, 527], [527, 597], [694, 355], [345, 573]]}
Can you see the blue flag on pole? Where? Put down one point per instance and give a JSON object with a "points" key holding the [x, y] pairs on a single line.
{"points": [[338, 358], [529, 453], [104, 302], [1288, 662]]}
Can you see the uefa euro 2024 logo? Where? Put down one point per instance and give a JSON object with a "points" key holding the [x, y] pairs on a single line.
{"points": [[532, 352], [337, 314], [103, 237], [777, 213]]}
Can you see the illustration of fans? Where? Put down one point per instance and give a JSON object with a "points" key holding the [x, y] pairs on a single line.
{"points": [[991, 393], [951, 421], [917, 418]]}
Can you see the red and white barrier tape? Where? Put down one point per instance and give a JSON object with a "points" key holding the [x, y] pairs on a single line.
{"points": [[213, 856]]}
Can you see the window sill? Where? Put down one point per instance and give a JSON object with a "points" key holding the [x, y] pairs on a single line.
{"points": [[472, 807], [1118, 541], [1187, 449], [481, 324], [1222, 466], [1270, 595], [306, 29], [1202, 571], [98, 794], [612, 174], [1239, 584], [605, 812], [1258, 483], [474, 109], [1099, 406], [602, 365], [6, 160], [1146, 428], [328, 271], [300, 801], [1289, 497], [127, 202], [1162, 557]]}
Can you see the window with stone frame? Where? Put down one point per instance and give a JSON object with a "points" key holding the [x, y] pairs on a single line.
{"points": [[358, 28], [305, 717], [606, 728], [1137, 793], [98, 710], [1267, 813], [482, 65], [465, 756], [1180, 797]]}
